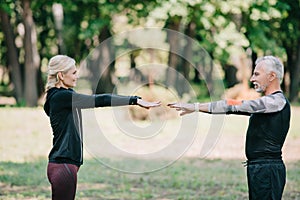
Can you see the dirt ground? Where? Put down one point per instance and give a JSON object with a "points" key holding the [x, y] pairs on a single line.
{"points": [[232, 147], [26, 135], [231, 143]]}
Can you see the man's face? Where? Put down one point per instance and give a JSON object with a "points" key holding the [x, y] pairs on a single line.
{"points": [[260, 78]]}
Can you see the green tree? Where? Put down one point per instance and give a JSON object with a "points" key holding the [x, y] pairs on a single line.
{"points": [[272, 27], [32, 57], [40, 29], [289, 37], [12, 51]]}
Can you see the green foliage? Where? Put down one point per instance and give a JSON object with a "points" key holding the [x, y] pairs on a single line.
{"points": [[6, 6], [222, 28], [261, 20]]}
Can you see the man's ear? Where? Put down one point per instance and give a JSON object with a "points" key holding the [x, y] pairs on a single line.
{"points": [[272, 76]]}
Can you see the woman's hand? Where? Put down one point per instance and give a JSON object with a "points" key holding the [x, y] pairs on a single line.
{"points": [[147, 104], [185, 108]]}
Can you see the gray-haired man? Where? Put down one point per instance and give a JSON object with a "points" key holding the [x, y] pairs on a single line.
{"points": [[268, 126]]}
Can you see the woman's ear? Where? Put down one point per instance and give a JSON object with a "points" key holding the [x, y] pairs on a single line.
{"points": [[60, 76]]}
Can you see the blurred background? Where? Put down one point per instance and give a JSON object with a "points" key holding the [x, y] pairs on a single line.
{"points": [[233, 33], [168, 50]]}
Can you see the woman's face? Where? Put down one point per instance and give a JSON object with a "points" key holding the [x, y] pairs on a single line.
{"points": [[70, 78]]}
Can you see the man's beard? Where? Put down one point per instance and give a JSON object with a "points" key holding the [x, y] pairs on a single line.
{"points": [[260, 88]]}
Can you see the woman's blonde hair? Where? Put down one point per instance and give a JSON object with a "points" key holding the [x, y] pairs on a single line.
{"points": [[58, 63]]}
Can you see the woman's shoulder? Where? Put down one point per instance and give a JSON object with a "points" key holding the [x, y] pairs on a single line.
{"points": [[60, 92]]}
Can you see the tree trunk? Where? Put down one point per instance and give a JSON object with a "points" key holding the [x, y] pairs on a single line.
{"points": [[188, 55], [101, 64], [230, 75], [32, 59], [135, 74], [174, 62], [188, 50], [58, 15], [12, 57], [294, 75]]}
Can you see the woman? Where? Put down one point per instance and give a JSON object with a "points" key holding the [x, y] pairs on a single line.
{"points": [[63, 106]]}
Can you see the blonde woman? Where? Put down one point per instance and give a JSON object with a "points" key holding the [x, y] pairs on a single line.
{"points": [[63, 106]]}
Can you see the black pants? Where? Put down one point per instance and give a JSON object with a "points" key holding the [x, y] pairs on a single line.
{"points": [[266, 179]]}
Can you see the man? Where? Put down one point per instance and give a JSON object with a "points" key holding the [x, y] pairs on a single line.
{"points": [[268, 126]]}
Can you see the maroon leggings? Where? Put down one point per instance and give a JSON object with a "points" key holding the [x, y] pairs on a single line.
{"points": [[63, 179]]}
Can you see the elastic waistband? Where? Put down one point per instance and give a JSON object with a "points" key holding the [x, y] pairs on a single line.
{"points": [[263, 161]]}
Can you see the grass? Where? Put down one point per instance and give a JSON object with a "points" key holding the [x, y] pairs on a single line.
{"points": [[185, 179], [26, 139]]}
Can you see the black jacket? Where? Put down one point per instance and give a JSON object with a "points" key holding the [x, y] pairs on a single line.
{"points": [[63, 106], [268, 124], [266, 134]]}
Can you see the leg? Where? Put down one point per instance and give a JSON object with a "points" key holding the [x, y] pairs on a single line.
{"points": [[266, 181], [278, 180], [259, 184], [63, 179]]}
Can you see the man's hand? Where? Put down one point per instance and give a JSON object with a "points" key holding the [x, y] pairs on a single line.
{"points": [[185, 108]]}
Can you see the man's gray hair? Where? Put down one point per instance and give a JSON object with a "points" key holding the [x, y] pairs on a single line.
{"points": [[273, 64]]}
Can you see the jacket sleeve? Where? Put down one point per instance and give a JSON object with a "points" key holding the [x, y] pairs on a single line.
{"points": [[266, 104], [77, 100], [102, 100]]}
